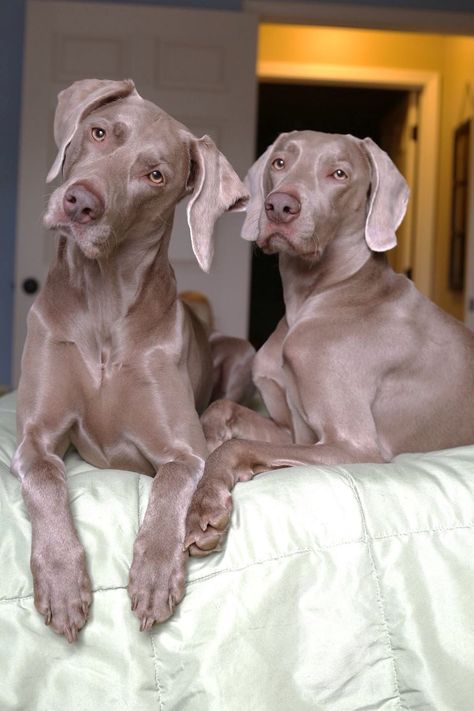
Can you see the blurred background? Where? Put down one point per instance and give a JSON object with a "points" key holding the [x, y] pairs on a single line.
{"points": [[243, 71]]}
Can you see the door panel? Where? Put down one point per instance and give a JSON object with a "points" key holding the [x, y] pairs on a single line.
{"points": [[198, 65]]}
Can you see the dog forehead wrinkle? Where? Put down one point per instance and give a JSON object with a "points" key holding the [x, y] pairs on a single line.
{"points": [[137, 115], [339, 154], [315, 140]]}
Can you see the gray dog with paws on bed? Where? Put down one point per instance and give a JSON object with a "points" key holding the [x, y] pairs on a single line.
{"points": [[114, 363], [362, 367]]}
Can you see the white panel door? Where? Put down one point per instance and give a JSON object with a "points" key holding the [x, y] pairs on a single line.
{"points": [[198, 65]]}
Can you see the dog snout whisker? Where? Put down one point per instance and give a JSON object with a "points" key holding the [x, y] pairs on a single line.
{"points": [[111, 242], [317, 245]]}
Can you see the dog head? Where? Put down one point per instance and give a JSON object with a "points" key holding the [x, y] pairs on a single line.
{"points": [[125, 165], [309, 188]]}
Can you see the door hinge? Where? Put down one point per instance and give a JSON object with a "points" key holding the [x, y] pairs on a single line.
{"points": [[414, 133]]}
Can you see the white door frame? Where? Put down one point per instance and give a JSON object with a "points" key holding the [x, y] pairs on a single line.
{"points": [[469, 256], [428, 84]]}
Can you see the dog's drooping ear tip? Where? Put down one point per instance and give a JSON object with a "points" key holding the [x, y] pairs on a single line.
{"points": [[240, 205], [387, 199], [54, 170], [387, 245], [204, 262], [249, 231]]}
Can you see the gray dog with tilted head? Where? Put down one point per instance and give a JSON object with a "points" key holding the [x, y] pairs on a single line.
{"points": [[362, 366], [114, 363]]}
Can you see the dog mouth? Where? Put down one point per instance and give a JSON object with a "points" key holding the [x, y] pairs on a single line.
{"points": [[274, 239], [77, 211], [94, 240], [272, 242], [94, 248]]}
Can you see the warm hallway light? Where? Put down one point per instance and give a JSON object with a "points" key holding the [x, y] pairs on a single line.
{"points": [[302, 49]]}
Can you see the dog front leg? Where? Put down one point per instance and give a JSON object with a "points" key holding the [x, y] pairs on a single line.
{"points": [[61, 585], [232, 360], [224, 420], [157, 574], [240, 460]]}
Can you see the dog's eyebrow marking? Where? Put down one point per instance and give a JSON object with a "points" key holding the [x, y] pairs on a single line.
{"points": [[120, 130], [289, 146], [151, 160]]}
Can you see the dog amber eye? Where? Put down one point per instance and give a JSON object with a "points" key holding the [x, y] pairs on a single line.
{"points": [[278, 164], [156, 177], [339, 174], [98, 134]]}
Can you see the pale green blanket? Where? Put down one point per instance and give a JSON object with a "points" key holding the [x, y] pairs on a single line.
{"points": [[341, 588]]}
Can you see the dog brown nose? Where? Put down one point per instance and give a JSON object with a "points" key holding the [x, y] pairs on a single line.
{"points": [[82, 205], [282, 207]]}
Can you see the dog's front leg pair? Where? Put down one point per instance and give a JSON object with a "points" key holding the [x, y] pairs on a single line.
{"points": [[61, 585], [158, 568]]}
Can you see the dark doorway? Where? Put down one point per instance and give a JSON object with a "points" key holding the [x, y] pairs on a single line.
{"points": [[286, 107]]}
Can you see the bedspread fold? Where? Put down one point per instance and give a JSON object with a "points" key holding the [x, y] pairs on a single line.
{"points": [[347, 588]]}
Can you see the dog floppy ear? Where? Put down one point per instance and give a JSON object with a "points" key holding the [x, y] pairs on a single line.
{"points": [[216, 189], [254, 184], [388, 199], [75, 103]]}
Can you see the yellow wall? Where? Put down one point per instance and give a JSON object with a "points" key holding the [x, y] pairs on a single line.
{"points": [[456, 107], [327, 45], [452, 57]]}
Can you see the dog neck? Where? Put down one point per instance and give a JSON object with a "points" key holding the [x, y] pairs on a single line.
{"points": [[136, 270], [342, 259]]}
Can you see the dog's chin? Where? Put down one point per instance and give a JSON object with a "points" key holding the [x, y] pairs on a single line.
{"points": [[93, 246], [279, 241], [274, 243], [94, 241], [92, 250]]}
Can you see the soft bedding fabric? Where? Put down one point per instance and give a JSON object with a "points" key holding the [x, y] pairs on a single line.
{"points": [[342, 588]]}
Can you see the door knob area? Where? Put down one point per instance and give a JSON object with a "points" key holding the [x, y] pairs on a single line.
{"points": [[30, 285]]}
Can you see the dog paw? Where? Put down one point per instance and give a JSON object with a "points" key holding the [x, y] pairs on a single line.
{"points": [[208, 519], [216, 424], [62, 588], [156, 583]]}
